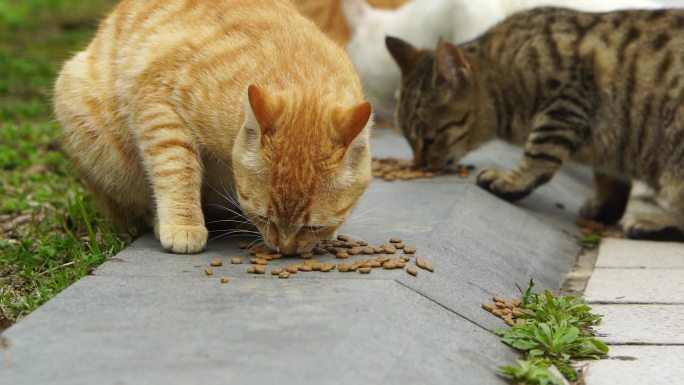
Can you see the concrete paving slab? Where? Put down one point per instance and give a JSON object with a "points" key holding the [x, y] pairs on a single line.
{"points": [[641, 324], [622, 253], [638, 365], [184, 330], [151, 317], [647, 286]]}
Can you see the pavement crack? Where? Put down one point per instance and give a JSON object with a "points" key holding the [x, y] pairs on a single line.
{"points": [[445, 307]]}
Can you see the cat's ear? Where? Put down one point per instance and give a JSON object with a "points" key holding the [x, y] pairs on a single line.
{"points": [[353, 121], [406, 55], [356, 12], [451, 67], [259, 114]]}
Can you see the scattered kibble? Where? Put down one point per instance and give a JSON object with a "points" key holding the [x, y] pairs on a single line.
{"points": [[326, 267], [389, 249], [344, 267], [216, 262], [423, 264], [391, 169], [410, 250], [507, 310], [209, 271], [342, 247], [224, 279]]}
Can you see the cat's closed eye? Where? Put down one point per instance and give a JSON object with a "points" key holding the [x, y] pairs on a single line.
{"points": [[456, 122], [312, 229]]}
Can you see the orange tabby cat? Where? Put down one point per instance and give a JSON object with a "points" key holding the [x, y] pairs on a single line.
{"points": [[175, 98], [328, 15]]}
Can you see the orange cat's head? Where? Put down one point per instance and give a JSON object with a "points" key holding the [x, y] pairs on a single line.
{"points": [[300, 166]]}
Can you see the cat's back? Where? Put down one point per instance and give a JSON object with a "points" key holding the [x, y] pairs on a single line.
{"points": [[546, 40], [146, 41]]}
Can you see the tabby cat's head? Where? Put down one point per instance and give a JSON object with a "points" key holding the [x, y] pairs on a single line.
{"points": [[438, 102], [300, 166]]}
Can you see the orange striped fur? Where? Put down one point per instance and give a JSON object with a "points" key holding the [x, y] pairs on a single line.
{"points": [[157, 117]]}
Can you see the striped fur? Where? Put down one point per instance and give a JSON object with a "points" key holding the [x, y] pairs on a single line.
{"points": [[157, 117], [602, 89]]}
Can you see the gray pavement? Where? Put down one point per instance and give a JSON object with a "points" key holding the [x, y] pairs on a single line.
{"points": [[638, 287], [148, 317]]}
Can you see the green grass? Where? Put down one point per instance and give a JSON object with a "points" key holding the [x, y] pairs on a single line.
{"points": [[50, 233], [556, 331]]}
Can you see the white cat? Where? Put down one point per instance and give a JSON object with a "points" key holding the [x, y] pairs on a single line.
{"points": [[424, 22]]}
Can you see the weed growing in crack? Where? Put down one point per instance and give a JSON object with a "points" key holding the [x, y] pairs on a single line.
{"points": [[551, 331]]}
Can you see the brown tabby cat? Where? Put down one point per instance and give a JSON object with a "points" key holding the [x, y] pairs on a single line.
{"points": [[328, 15], [175, 98], [603, 89]]}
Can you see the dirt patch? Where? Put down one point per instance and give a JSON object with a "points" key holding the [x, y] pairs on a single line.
{"points": [[4, 325]]}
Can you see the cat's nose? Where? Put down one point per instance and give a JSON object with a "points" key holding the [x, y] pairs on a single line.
{"points": [[288, 247]]}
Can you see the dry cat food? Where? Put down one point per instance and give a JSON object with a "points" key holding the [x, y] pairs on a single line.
{"points": [[391, 169], [409, 250], [257, 269], [420, 262], [342, 247], [224, 279], [209, 271], [216, 262], [284, 275], [507, 310]]}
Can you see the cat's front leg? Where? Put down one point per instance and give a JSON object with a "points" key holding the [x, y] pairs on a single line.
{"points": [[612, 195], [557, 134], [173, 165]]}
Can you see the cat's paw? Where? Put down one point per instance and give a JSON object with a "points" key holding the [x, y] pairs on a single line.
{"points": [[608, 213], [183, 239], [654, 228], [156, 229], [503, 184]]}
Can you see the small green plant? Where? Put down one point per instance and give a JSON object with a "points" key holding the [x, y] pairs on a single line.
{"points": [[555, 331], [533, 372], [548, 308], [591, 240]]}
